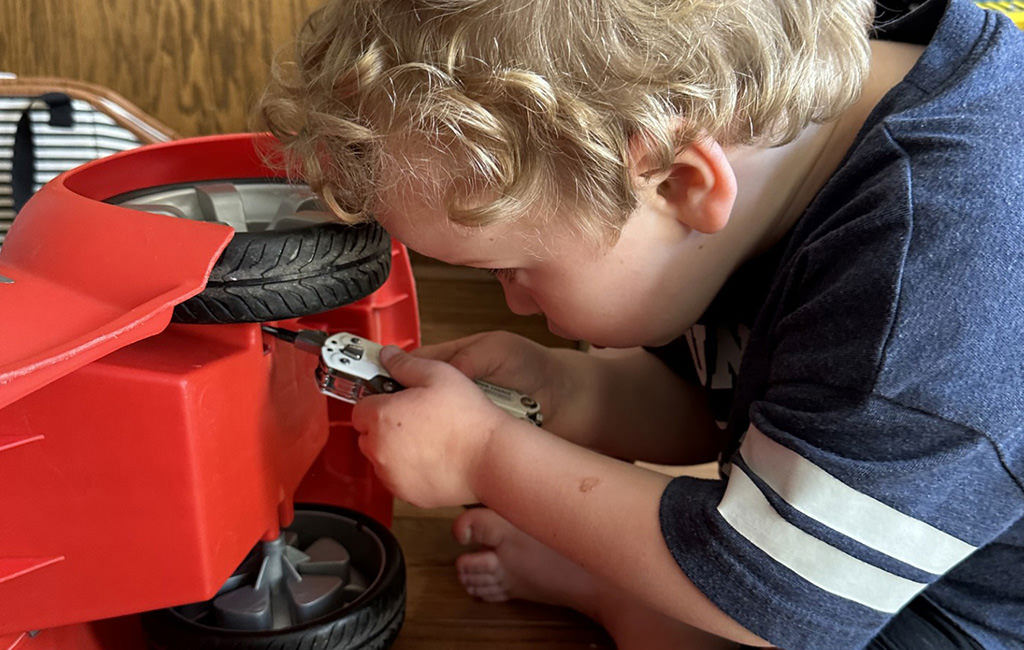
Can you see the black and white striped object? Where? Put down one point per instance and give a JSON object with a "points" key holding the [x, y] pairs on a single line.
{"points": [[93, 134]]}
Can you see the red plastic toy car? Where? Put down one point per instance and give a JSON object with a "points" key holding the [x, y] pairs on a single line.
{"points": [[147, 464]]}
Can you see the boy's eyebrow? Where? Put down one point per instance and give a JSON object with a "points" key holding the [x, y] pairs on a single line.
{"points": [[472, 262]]}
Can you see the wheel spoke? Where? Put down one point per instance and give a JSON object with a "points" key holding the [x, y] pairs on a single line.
{"points": [[222, 202], [195, 611], [165, 209], [299, 208], [314, 596], [235, 581], [356, 585], [294, 555], [245, 608], [326, 557]]}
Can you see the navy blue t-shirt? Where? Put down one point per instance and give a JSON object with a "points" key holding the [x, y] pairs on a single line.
{"points": [[876, 407]]}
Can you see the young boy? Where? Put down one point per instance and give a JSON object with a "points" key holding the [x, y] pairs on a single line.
{"points": [[819, 234]]}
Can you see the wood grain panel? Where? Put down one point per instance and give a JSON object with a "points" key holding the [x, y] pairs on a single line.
{"points": [[196, 65]]}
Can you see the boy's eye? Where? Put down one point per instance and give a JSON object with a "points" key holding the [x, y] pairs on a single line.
{"points": [[502, 274]]}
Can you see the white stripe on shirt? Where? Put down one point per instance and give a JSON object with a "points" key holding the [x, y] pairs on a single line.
{"points": [[747, 510], [826, 499]]}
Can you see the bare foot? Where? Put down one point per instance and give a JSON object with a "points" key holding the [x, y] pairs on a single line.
{"points": [[515, 565]]}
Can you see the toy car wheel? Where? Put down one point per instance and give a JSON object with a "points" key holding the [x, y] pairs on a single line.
{"points": [[289, 256], [334, 580]]}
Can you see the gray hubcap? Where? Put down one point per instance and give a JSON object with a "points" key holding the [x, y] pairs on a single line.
{"points": [[283, 583]]}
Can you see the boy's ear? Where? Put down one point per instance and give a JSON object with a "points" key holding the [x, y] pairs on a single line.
{"points": [[698, 189]]}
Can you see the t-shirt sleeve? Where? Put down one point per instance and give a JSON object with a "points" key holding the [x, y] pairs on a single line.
{"points": [[816, 541]]}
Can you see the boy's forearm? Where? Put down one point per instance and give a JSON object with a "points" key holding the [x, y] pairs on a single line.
{"points": [[630, 405], [597, 511]]}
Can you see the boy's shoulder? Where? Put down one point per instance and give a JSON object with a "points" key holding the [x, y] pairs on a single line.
{"points": [[903, 279]]}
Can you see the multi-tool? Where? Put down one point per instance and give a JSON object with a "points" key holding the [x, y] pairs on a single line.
{"points": [[350, 368]]}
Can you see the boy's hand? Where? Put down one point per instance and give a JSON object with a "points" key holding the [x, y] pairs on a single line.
{"points": [[425, 441], [511, 361]]}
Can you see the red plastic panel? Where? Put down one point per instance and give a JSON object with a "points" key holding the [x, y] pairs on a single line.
{"points": [[78, 295], [124, 633], [151, 473], [140, 479], [89, 277]]}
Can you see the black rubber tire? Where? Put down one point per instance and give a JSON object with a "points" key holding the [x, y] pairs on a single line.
{"points": [[372, 623], [274, 275]]}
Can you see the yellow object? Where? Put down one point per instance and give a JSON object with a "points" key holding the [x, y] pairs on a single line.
{"points": [[1014, 9]]}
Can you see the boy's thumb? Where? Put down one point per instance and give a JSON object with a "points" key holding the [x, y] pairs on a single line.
{"points": [[407, 369]]}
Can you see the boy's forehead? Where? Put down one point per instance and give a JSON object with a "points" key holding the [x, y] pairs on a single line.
{"points": [[415, 184], [428, 230], [425, 227], [412, 205]]}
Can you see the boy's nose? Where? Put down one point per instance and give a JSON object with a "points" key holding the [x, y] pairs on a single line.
{"points": [[519, 301]]}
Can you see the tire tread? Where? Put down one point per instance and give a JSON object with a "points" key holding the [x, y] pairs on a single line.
{"points": [[272, 276]]}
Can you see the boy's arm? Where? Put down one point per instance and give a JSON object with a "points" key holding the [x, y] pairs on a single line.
{"points": [[625, 403], [596, 511], [442, 442], [636, 408]]}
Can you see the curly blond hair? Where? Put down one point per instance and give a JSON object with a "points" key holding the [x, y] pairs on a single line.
{"points": [[533, 103]]}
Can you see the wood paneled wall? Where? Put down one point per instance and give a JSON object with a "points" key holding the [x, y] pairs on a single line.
{"points": [[196, 65]]}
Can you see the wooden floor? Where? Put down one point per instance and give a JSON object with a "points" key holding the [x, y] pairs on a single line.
{"points": [[439, 614]]}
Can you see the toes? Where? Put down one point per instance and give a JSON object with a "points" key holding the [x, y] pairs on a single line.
{"points": [[480, 526], [478, 580], [489, 594], [480, 563], [482, 576]]}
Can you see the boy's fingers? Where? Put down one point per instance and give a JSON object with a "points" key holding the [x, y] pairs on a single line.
{"points": [[446, 350], [474, 365], [473, 361], [438, 351], [359, 419], [410, 370], [364, 413]]}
